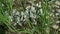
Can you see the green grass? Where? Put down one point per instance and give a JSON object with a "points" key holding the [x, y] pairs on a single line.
{"points": [[28, 27]]}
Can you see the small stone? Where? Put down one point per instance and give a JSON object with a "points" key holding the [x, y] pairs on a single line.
{"points": [[39, 4], [57, 3], [11, 18], [15, 24], [17, 13], [56, 6], [41, 11], [58, 10], [55, 26], [14, 10], [57, 14], [27, 7], [53, 11], [22, 13], [57, 21], [32, 8], [51, 14]]}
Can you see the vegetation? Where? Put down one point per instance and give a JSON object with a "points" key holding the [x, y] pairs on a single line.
{"points": [[29, 17]]}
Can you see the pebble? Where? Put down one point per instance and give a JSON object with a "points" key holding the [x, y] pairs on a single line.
{"points": [[57, 21], [58, 10], [55, 26], [57, 3]]}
